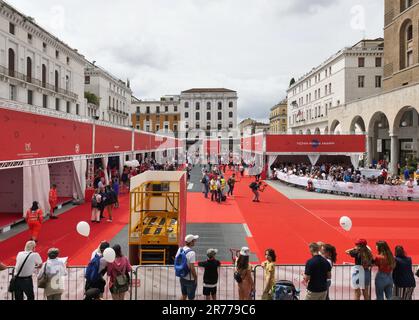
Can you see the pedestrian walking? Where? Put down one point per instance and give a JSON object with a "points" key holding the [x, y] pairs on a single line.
{"points": [[96, 200], [34, 217], [52, 200], [231, 182]]}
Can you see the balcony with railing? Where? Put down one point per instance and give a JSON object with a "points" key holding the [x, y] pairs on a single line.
{"points": [[28, 79]]}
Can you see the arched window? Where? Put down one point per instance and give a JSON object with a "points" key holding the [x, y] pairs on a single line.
{"points": [[57, 76], [208, 125], [220, 105], [29, 69], [406, 45], [230, 104], [186, 104], [44, 75], [208, 115], [67, 82], [197, 116], [11, 62], [208, 105], [197, 105]]}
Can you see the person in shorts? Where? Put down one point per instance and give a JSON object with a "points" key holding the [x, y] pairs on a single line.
{"points": [[188, 283], [210, 274]]}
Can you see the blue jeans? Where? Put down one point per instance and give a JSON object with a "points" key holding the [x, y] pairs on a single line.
{"points": [[188, 288], [384, 285]]}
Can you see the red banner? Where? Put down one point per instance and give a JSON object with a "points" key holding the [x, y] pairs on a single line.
{"points": [[108, 140], [253, 143], [315, 143], [28, 136]]}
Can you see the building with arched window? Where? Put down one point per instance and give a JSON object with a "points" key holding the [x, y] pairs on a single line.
{"points": [[391, 118], [31, 72]]}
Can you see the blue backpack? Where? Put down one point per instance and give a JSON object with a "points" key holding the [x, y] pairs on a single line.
{"points": [[181, 263], [92, 270]]}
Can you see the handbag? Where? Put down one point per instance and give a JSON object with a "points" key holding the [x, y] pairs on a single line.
{"points": [[43, 280], [238, 277], [12, 283]]}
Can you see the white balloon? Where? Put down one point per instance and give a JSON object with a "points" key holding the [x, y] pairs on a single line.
{"points": [[83, 228], [346, 223], [109, 255]]}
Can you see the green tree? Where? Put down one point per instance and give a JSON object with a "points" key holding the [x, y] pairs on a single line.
{"points": [[92, 98], [292, 82]]}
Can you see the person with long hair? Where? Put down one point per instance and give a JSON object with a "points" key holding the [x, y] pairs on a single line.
{"points": [[118, 272], [403, 277], [362, 270], [244, 269], [329, 253], [386, 264], [269, 268], [34, 217]]}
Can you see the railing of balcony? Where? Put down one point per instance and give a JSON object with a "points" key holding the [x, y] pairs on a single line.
{"points": [[23, 77]]}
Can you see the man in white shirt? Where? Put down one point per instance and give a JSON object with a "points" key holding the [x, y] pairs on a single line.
{"points": [[23, 282], [188, 283]]}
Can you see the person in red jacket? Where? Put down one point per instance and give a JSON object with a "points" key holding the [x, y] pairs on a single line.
{"points": [[34, 217], [52, 199]]}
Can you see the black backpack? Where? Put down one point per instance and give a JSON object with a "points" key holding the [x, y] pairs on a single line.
{"points": [[253, 186]]}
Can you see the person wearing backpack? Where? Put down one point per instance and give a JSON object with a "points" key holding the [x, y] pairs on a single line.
{"points": [[96, 199], [255, 189], [231, 182], [205, 184], [185, 268], [96, 269], [118, 272]]}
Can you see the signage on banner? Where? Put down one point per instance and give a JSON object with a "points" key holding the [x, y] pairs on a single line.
{"points": [[382, 190]]}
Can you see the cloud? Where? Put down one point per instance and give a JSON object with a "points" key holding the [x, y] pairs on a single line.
{"points": [[309, 6]]}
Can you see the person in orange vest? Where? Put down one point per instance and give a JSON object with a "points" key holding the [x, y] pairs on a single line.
{"points": [[52, 199], [34, 217]]}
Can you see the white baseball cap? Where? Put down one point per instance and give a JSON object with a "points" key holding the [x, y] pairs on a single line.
{"points": [[190, 237], [245, 251], [212, 251]]}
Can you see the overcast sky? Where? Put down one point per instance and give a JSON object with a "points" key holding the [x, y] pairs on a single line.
{"points": [[167, 46]]}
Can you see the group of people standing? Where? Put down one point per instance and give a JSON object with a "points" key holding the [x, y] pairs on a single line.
{"points": [[105, 197], [214, 182]]}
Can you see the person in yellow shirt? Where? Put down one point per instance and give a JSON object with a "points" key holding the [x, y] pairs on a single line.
{"points": [[213, 189], [269, 273]]}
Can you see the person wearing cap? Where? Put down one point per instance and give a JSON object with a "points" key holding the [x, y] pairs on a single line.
{"points": [[211, 267], [361, 273], [54, 270], [188, 283], [244, 269]]}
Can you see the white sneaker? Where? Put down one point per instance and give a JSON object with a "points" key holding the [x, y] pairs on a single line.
{"points": [[109, 220]]}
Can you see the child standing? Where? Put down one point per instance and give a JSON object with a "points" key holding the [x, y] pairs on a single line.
{"points": [[210, 275]]}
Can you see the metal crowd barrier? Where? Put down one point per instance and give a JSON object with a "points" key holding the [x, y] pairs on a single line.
{"points": [[160, 283]]}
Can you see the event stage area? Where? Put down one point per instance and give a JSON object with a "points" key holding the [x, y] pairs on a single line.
{"points": [[286, 225]]}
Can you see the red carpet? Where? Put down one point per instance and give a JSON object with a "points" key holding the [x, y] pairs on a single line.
{"points": [[7, 219], [396, 222], [201, 210], [61, 233], [281, 224]]}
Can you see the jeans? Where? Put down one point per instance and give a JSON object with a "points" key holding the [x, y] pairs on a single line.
{"points": [[230, 191], [384, 285], [206, 190]]}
